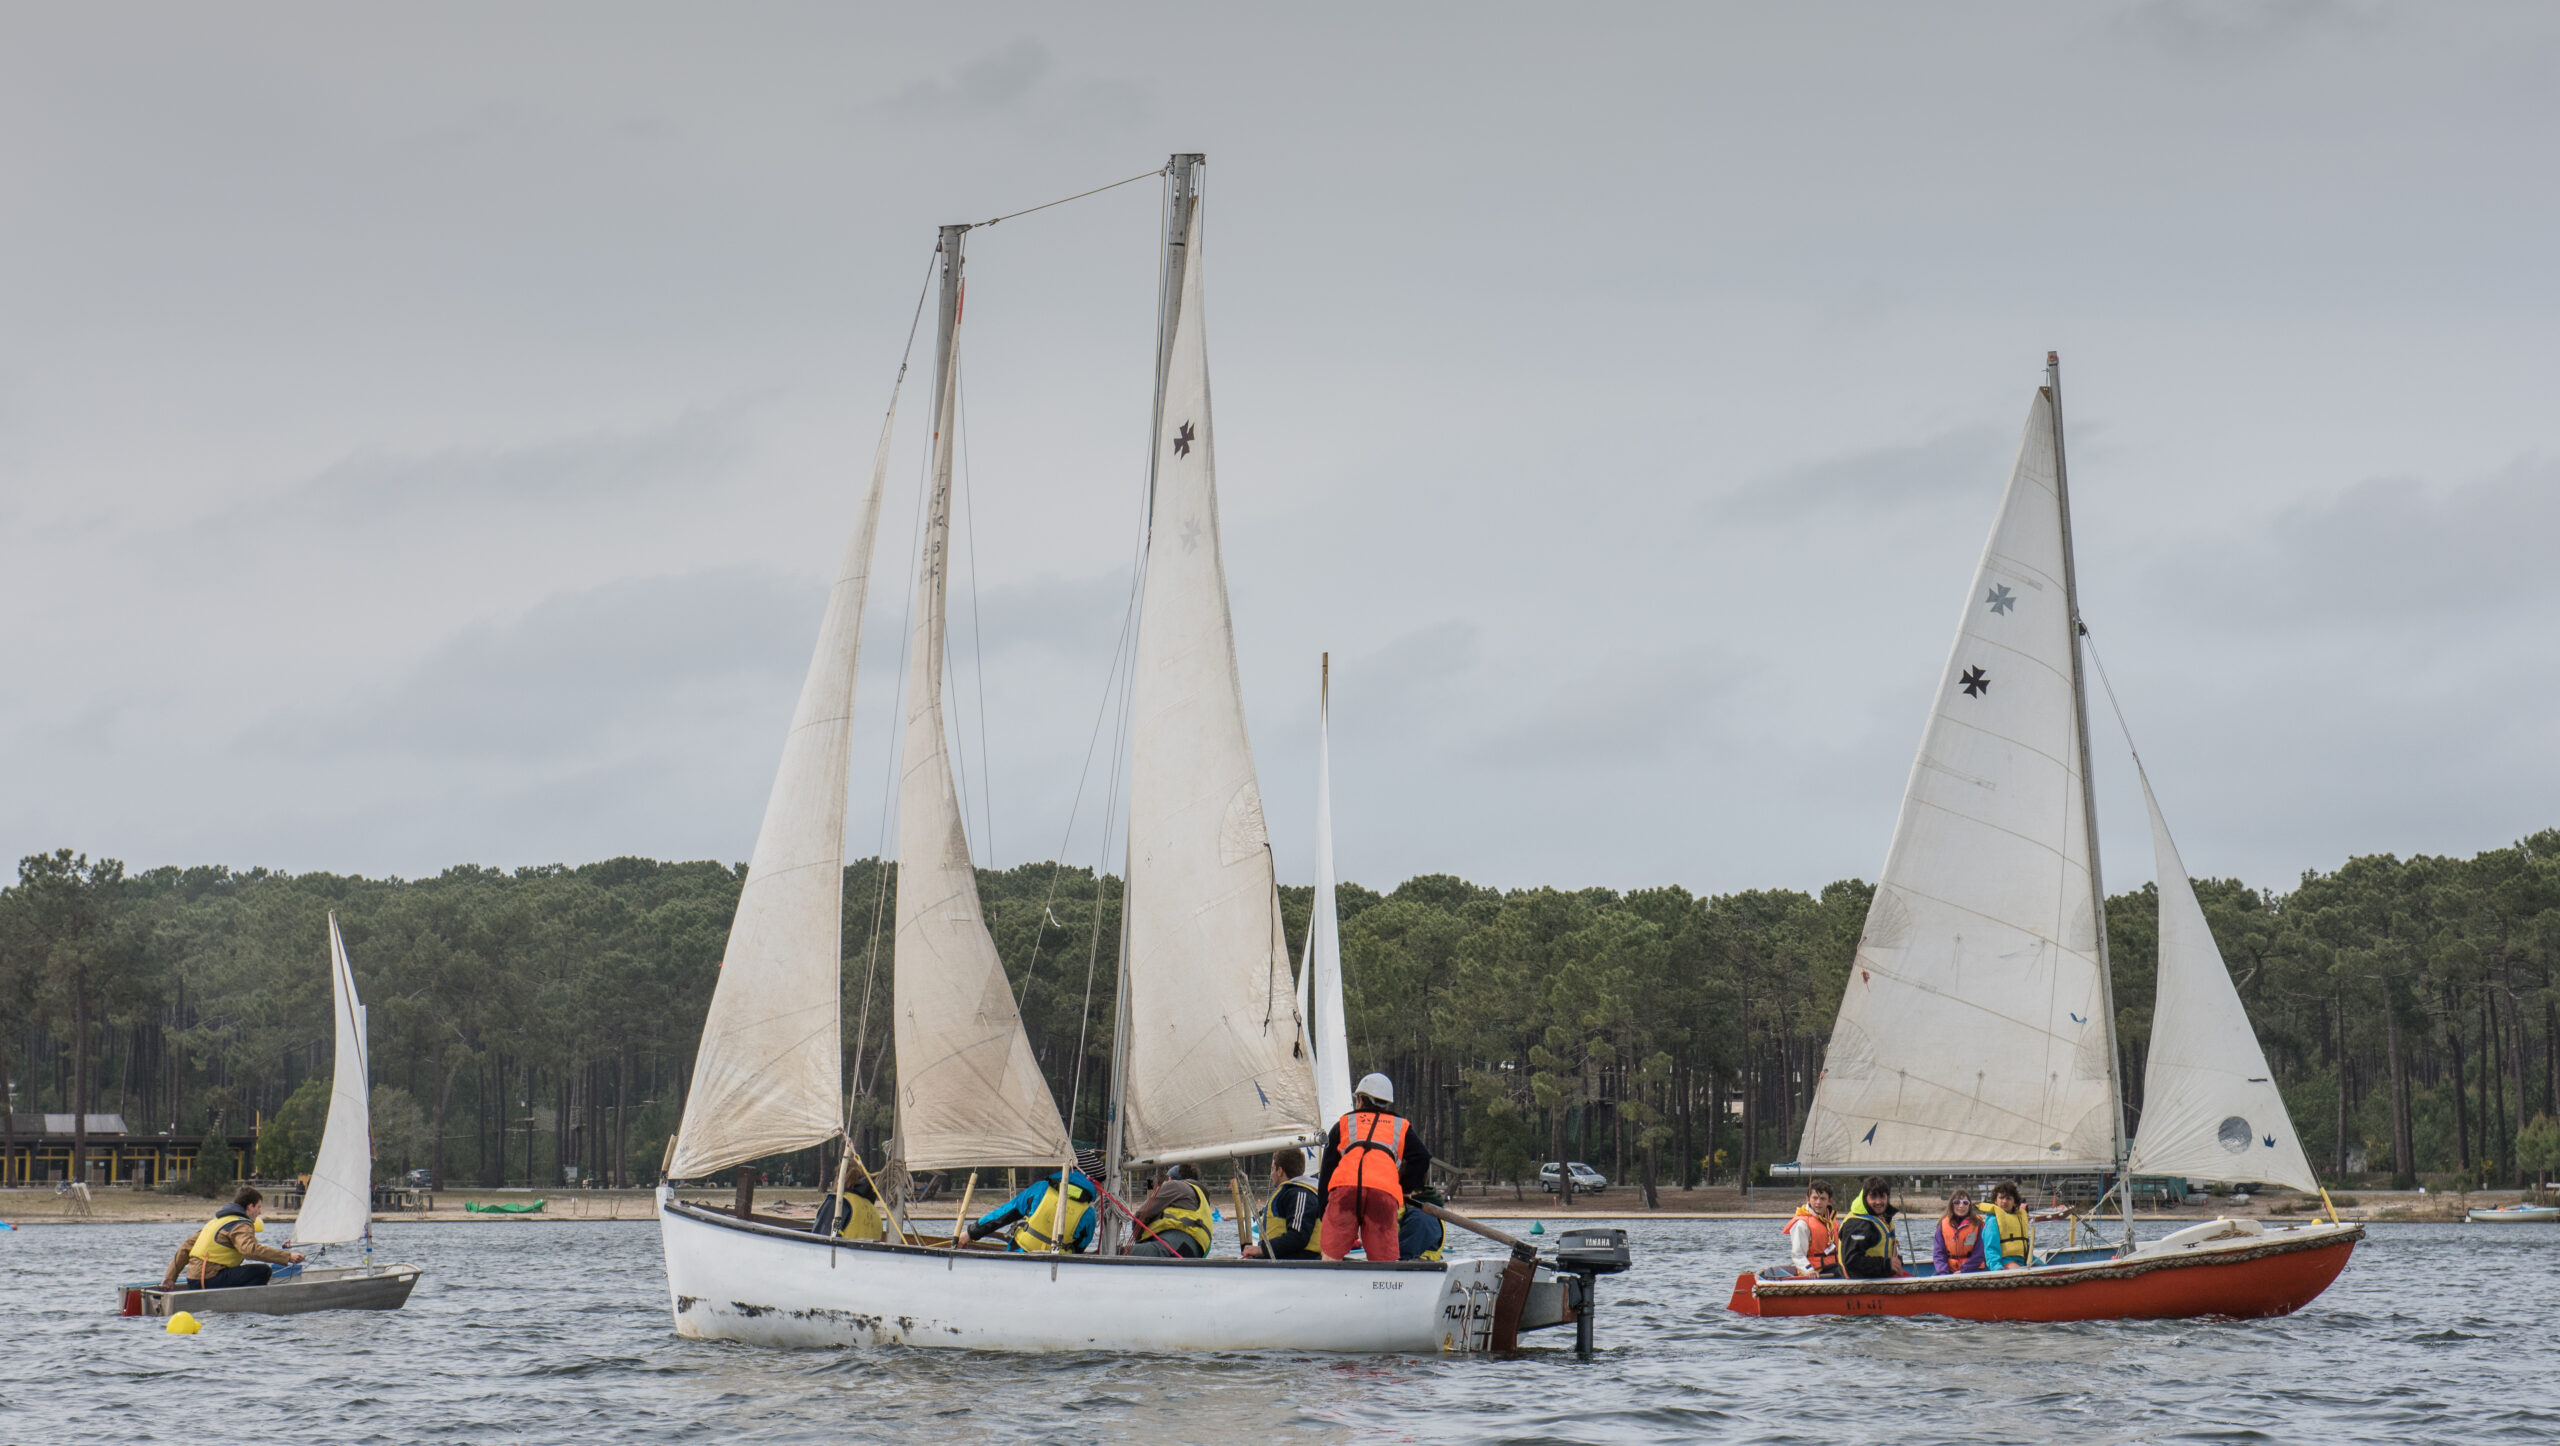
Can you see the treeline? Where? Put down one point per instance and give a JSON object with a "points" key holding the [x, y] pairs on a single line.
{"points": [[531, 1022]]}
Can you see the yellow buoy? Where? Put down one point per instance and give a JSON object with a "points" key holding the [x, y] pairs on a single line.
{"points": [[184, 1324]]}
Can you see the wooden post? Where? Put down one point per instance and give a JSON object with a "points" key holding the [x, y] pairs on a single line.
{"points": [[745, 1205]]}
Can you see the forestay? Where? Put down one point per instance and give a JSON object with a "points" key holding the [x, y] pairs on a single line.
{"points": [[1216, 1058], [338, 1204], [2210, 1109], [1972, 1032], [770, 1074], [969, 1090]]}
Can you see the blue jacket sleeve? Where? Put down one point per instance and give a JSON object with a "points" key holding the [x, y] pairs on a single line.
{"points": [[1017, 1208], [1991, 1241]]}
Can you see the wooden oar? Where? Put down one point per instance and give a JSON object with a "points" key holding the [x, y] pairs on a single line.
{"points": [[1244, 1233], [963, 1217]]}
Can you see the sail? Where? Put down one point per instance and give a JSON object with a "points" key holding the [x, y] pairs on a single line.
{"points": [[338, 1205], [2210, 1109], [1215, 1062], [770, 1073], [1320, 981], [969, 1090], [1973, 1031]]}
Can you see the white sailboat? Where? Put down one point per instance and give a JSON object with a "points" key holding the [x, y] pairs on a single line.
{"points": [[337, 1206], [1210, 1059], [1976, 1036]]}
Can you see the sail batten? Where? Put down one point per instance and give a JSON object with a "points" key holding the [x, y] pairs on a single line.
{"points": [[970, 1091], [338, 1204], [1972, 1032], [1216, 1056]]}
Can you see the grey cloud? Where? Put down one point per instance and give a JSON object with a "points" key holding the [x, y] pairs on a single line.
{"points": [[1961, 462], [994, 81]]}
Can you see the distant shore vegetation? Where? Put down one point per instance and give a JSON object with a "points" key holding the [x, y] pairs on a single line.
{"points": [[530, 1023]]}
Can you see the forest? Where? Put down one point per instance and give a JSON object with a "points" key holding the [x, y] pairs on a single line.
{"points": [[537, 1026]]}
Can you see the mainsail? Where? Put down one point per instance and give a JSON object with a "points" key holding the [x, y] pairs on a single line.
{"points": [[2210, 1109], [770, 1074], [969, 1090], [1215, 1059], [1973, 1032], [1320, 976], [338, 1204]]}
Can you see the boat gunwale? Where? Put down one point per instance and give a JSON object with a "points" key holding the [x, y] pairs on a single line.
{"points": [[2121, 1268], [705, 1215]]}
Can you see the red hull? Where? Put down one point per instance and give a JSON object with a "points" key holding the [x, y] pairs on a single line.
{"points": [[2277, 1277]]}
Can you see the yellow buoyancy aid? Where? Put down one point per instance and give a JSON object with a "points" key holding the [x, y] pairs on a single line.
{"points": [[1275, 1223], [861, 1218], [1191, 1219], [1883, 1246], [1439, 1236], [1043, 1230], [2017, 1236], [212, 1249]]}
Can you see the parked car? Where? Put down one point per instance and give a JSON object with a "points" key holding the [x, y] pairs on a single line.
{"points": [[1585, 1179]]}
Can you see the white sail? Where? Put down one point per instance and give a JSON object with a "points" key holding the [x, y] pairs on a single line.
{"points": [[338, 1205], [1216, 1057], [1320, 982], [969, 1090], [1972, 1033], [2210, 1109], [770, 1074]]}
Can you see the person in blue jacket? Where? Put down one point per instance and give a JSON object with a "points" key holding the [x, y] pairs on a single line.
{"points": [[1029, 1221]]}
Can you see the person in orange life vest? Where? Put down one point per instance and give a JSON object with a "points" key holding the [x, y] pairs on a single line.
{"points": [[1371, 1161], [1957, 1244], [1813, 1238]]}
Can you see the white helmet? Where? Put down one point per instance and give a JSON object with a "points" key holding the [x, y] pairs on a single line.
{"points": [[1376, 1087]]}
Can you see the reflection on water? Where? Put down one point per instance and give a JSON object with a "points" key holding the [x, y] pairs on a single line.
{"points": [[557, 1331]]}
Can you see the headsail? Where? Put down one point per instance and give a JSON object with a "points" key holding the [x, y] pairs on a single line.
{"points": [[1320, 977], [969, 1090], [770, 1074], [1973, 1032], [338, 1206], [2210, 1108], [1215, 1062]]}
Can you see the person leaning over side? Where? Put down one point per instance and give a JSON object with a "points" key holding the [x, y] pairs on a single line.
{"points": [[1372, 1160], [2008, 1237], [226, 1253], [1956, 1246], [1029, 1221], [1293, 1222], [1868, 1250], [1813, 1236], [1174, 1218]]}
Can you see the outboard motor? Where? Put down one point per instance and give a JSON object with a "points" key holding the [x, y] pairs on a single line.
{"points": [[1582, 1257]]}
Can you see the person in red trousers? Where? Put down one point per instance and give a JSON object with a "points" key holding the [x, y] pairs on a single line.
{"points": [[1371, 1161]]}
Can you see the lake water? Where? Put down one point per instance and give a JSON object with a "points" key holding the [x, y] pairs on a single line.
{"points": [[551, 1332]]}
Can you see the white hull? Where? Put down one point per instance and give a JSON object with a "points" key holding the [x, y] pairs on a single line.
{"points": [[735, 1280]]}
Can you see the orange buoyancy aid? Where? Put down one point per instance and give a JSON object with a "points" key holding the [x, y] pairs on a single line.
{"points": [[1960, 1240], [1821, 1237], [1370, 1148]]}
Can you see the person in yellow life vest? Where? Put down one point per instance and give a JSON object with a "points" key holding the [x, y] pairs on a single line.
{"points": [[1293, 1223], [2008, 1237], [225, 1252], [855, 1215], [1868, 1250], [1419, 1233], [1813, 1236], [1372, 1161], [1956, 1246], [1029, 1221], [1174, 1220]]}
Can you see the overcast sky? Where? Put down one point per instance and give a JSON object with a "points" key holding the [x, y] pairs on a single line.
{"points": [[425, 432]]}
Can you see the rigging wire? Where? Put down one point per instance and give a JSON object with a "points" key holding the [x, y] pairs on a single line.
{"points": [[1078, 196]]}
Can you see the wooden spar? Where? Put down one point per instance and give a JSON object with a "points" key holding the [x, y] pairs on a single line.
{"points": [[1518, 1246], [962, 1218], [1244, 1230]]}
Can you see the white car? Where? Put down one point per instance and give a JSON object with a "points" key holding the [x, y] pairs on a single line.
{"points": [[1585, 1179]]}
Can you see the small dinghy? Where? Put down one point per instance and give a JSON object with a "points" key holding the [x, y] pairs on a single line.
{"points": [[2513, 1214], [337, 1206]]}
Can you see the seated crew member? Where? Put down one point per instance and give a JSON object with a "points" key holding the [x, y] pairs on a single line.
{"points": [[1372, 1160], [1868, 1250], [1956, 1245], [1813, 1236], [1029, 1221], [1174, 1220], [1293, 1222], [2008, 1236], [1419, 1233], [226, 1253], [854, 1216]]}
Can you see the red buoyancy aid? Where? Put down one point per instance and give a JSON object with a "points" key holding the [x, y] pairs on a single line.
{"points": [[1960, 1240], [1370, 1148], [1821, 1238]]}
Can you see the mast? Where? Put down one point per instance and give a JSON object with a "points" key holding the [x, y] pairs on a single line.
{"points": [[1182, 194], [2088, 783]]}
